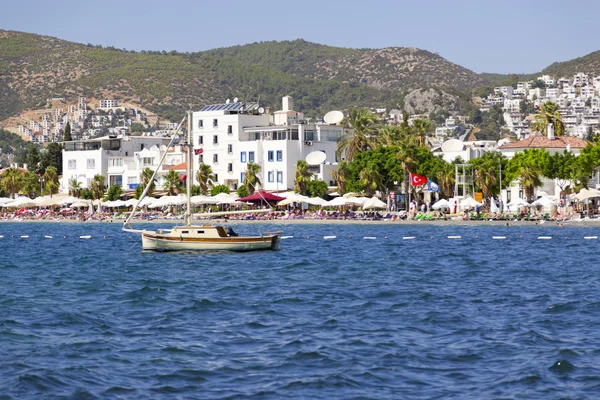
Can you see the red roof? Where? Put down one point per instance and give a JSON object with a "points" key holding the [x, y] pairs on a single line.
{"points": [[176, 167], [537, 142], [261, 195]]}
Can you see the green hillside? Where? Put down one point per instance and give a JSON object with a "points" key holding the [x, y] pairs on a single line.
{"points": [[589, 64], [320, 78]]}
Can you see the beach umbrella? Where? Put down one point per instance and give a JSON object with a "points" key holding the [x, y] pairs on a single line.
{"points": [[443, 203], [316, 201], [518, 203], [544, 202], [350, 194], [200, 199], [469, 202], [20, 202], [337, 202], [80, 203], [585, 194], [374, 202], [333, 194], [293, 198], [4, 200], [260, 196]]}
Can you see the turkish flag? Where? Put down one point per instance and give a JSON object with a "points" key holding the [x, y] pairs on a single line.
{"points": [[198, 151], [417, 180]]}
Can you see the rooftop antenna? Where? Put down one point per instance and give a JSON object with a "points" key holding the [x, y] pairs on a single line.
{"points": [[227, 101], [235, 99]]}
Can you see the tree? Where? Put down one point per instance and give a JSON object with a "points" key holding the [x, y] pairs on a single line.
{"points": [[303, 176], [74, 187], [12, 181], [51, 179], [340, 176], [215, 190], [548, 114], [421, 127], [407, 155], [114, 192], [361, 127], [145, 177], [242, 191], [486, 177], [446, 179], [173, 183], [529, 179], [98, 187], [31, 184], [52, 157], [204, 176], [370, 179], [316, 188], [251, 179], [67, 135], [33, 158]]}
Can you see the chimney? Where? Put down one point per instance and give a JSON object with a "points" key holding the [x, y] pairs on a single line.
{"points": [[551, 132]]}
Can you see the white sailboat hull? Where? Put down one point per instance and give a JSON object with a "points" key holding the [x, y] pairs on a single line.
{"points": [[174, 242]]}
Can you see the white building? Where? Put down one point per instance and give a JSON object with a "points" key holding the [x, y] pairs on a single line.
{"points": [[112, 157], [233, 134], [505, 91], [108, 103], [580, 79], [547, 79]]}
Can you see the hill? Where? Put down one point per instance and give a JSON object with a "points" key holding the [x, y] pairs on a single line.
{"points": [[589, 64], [320, 78]]}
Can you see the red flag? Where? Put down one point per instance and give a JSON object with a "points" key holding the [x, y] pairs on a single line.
{"points": [[198, 151], [417, 180]]}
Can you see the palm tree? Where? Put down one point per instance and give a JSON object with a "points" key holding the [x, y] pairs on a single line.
{"points": [[98, 187], [74, 187], [361, 129], [251, 179], [486, 177], [51, 179], [31, 184], [548, 114], [12, 181], [422, 126], [388, 136], [446, 179], [529, 179], [303, 176], [370, 179], [172, 183], [407, 155], [145, 177], [340, 177], [204, 176]]}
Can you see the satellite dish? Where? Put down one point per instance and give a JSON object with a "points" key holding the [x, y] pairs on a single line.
{"points": [[235, 99], [261, 110], [316, 158], [452, 145], [333, 117], [227, 101]]}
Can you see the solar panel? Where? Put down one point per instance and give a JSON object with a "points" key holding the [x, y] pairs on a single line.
{"points": [[230, 107]]}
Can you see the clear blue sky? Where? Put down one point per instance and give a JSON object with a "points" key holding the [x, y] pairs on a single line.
{"points": [[486, 36]]}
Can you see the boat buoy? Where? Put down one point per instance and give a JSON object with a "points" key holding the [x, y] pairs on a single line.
{"points": [[48, 237], [329, 237], [411, 237]]}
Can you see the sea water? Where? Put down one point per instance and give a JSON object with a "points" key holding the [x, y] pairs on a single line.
{"points": [[429, 317]]}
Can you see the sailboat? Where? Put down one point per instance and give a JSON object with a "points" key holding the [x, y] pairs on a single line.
{"points": [[197, 237]]}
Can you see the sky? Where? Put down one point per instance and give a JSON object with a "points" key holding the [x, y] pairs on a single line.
{"points": [[483, 35]]}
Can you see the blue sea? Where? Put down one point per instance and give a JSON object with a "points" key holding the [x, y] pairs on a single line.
{"points": [[348, 317]]}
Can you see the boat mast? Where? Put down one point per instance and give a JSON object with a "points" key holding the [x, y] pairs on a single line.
{"points": [[189, 178]]}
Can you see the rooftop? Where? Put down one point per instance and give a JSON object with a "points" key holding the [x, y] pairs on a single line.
{"points": [[543, 141]]}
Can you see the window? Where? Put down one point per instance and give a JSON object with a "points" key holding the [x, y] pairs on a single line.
{"points": [[250, 156], [215, 158], [216, 139], [132, 180], [115, 162], [230, 129], [215, 123], [270, 176], [230, 167], [200, 139], [200, 124], [270, 156], [216, 181], [242, 176], [200, 232], [201, 158], [279, 155], [230, 148], [280, 176], [72, 164], [243, 156], [91, 163]]}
